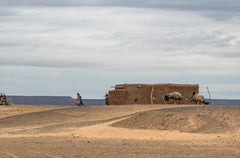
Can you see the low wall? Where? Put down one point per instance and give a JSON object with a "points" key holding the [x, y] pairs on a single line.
{"points": [[149, 93]]}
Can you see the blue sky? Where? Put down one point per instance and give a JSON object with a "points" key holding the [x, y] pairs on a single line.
{"points": [[58, 47]]}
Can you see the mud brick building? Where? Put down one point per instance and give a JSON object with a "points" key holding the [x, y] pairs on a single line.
{"points": [[149, 93]]}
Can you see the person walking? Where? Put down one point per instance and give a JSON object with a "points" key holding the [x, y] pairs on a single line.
{"points": [[79, 100]]}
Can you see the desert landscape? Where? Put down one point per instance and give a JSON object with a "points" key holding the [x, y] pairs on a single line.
{"points": [[136, 131]]}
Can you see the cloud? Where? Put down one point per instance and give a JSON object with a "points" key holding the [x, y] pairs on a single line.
{"points": [[200, 5], [117, 42], [218, 10], [93, 38], [232, 5], [52, 63], [6, 12], [8, 44]]}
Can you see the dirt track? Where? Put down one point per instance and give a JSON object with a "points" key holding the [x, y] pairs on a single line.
{"points": [[56, 131]]}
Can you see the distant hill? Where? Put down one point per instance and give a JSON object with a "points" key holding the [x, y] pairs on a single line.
{"points": [[225, 102], [67, 100], [52, 100]]}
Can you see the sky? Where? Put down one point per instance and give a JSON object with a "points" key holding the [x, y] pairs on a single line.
{"points": [[59, 47]]}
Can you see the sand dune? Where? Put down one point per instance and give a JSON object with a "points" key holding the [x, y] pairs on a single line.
{"points": [[119, 131], [202, 119]]}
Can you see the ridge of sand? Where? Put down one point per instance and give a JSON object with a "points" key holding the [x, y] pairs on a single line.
{"points": [[143, 125], [107, 131], [201, 119]]}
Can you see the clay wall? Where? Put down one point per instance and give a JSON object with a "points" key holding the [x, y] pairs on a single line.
{"points": [[117, 97], [149, 93]]}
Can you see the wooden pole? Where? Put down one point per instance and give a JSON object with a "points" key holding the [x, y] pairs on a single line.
{"points": [[164, 100], [209, 95], [152, 96]]}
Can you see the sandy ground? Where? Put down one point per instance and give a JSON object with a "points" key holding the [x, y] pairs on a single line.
{"points": [[110, 131]]}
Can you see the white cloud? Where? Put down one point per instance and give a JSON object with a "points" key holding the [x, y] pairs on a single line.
{"points": [[106, 41], [216, 9]]}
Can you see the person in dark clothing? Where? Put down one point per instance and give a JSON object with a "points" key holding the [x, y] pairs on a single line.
{"points": [[79, 100], [107, 99]]}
